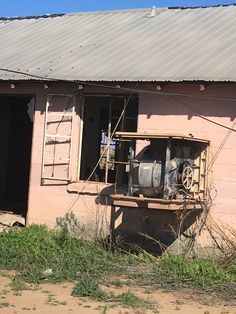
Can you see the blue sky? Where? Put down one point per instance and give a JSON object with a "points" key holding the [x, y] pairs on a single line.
{"points": [[40, 7]]}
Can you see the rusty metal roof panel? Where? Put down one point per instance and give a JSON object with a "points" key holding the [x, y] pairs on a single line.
{"points": [[172, 45]]}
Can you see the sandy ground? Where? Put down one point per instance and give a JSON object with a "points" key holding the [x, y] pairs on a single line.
{"points": [[57, 299]]}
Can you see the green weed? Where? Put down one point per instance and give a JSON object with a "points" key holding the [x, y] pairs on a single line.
{"points": [[70, 224], [116, 282], [35, 250], [88, 286], [49, 298], [39, 254], [198, 273], [17, 284], [129, 299], [4, 304], [4, 292]]}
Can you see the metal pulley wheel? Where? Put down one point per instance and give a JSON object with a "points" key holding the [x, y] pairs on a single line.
{"points": [[187, 176]]}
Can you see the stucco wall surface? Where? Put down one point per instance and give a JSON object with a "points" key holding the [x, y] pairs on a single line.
{"points": [[162, 113], [177, 114]]}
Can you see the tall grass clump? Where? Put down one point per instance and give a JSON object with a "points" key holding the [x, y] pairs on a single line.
{"points": [[39, 253], [204, 274]]}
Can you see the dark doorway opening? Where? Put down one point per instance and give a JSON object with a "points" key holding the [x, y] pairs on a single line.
{"points": [[16, 140]]}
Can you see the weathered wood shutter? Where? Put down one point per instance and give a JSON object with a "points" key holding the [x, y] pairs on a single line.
{"points": [[58, 137]]}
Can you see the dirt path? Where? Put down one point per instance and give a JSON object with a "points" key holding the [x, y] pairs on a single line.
{"points": [[57, 299]]}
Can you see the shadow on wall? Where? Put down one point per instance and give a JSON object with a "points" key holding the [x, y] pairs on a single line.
{"points": [[220, 105], [148, 229]]}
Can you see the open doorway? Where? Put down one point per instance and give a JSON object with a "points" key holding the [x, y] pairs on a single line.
{"points": [[16, 125]]}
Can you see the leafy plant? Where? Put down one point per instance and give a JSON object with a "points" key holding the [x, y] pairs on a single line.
{"points": [[70, 224], [87, 286], [200, 273], [4, 304]]}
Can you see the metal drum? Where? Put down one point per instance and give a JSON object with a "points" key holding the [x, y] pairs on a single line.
{"points": [[150, 177]]}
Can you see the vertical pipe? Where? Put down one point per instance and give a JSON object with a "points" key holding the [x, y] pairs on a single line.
{"points": [[107, 147], [131, 168], [80, 137], [45, 133], [71, 137], [167, 170], [120, 153]]}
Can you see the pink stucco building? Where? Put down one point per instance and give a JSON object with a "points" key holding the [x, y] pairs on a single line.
{"points": [[66, 80]]}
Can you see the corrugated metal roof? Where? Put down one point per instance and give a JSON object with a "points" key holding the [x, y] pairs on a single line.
{"points": [[174, 45]]}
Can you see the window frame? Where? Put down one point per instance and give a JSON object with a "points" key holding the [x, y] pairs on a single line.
{"points": [[81, 134]]}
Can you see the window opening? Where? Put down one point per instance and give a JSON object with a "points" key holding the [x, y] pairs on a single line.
{"points": [[101, 115]]}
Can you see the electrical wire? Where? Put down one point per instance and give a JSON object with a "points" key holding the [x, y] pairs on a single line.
{"points": [[87, 181], [127, 89], [141, 91], [166, 94], [219, 149], [200, 115]]}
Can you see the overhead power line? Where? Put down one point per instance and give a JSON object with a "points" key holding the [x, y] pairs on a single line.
{"points": [[127, 89], [132, 90], [200, 115], [170, 95]]}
